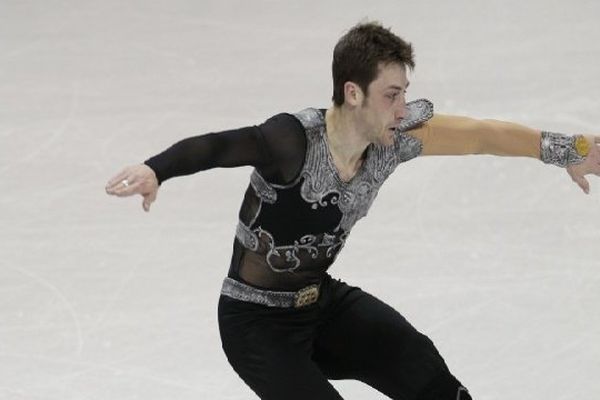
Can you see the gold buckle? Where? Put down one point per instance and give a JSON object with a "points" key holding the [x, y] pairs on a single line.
{"points": [[306, 296]]}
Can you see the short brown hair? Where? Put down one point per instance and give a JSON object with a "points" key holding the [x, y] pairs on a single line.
{"points": [[358, 54]]}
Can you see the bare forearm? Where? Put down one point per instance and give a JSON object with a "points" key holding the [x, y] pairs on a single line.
{"points": [[457, 135]]}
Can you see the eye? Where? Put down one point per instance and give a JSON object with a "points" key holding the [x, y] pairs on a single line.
{"points": [[393, 96]]}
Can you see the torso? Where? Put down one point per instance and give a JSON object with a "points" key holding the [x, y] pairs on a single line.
{"points": [[288, 235]]}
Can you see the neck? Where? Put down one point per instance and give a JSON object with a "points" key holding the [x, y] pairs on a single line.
{"points": [[347, 143]]}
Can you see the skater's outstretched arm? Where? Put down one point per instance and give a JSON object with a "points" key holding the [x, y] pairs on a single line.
{"points": [[275, 148], [457, 135]]}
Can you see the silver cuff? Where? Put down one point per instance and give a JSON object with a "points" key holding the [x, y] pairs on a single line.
{"points": [[559, 149]]}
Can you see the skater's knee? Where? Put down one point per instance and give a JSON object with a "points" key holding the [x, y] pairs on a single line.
{"points": [[444, 387]]}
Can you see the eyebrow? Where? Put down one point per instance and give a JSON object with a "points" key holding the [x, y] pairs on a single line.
{"points": [[399, 87]]}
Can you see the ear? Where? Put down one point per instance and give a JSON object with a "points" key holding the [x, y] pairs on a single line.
{"points": [[353, 94]]}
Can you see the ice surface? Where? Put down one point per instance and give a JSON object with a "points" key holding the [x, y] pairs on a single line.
{"points": [[496, 259]]}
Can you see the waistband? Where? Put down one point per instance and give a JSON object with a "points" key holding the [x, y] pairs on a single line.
{"points": [[241, 291]]}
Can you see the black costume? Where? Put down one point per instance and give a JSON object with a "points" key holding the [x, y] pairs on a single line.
{"points": [[294, 220]]}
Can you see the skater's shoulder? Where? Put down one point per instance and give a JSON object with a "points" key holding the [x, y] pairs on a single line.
{"points": [[285, 136], [311, 117], [297, 121]]}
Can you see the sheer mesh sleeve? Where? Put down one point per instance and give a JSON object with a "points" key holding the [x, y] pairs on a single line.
{"points": [[275, 148]]}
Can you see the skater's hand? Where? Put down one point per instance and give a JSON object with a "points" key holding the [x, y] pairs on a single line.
{"points": [[591, 165], [136, 179]]}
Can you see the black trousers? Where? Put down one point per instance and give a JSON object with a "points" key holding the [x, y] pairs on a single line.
{"points": [[289, 353]]}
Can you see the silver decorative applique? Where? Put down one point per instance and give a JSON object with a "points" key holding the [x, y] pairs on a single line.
{"points": [[558, 149], [418, 111], [286, 258], [354, 198], [245, 235], [263, 190], [321, 181], [406, 146]]}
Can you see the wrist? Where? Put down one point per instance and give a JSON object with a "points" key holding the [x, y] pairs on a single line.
{"points": [[154, 170], [563, 150]]}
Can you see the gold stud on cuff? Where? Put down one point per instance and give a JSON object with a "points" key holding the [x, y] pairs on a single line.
{"points": [[582, 146]]}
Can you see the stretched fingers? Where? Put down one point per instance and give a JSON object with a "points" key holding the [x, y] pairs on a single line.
{"points": [[117, 179], [124, 188]]}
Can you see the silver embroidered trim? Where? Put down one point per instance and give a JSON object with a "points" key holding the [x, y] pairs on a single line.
{"points": [[245, 235], [354, 198], [240, 291], [288, 255], [406, 146], [418, 111], [289, 252], [262, 188], [559, 149], [310, 244], [321, 179]]}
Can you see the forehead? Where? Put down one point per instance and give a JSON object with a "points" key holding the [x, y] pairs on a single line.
{"points": [[392, 74]]}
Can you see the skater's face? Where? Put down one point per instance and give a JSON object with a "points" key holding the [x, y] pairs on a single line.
{"points": [[384, 105]]}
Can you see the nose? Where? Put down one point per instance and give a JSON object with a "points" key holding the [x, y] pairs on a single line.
{"points": [[401, 112]]}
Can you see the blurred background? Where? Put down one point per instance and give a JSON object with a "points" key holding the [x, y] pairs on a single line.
{"points": [[493, 258]]}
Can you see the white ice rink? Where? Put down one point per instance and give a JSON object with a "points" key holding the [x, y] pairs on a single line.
{"points": [[496, 259]]}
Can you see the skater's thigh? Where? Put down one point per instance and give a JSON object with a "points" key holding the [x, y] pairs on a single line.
{"points": [[274, 361], [368, 340]]}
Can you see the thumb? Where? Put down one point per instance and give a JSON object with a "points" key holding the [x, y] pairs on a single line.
{"points": [[148, 199], [583, 184]]}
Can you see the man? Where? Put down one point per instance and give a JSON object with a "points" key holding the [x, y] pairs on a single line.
{"points": [[287, 327]]}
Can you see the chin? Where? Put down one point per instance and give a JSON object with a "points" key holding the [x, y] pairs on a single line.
{"points": [[387, 139]]}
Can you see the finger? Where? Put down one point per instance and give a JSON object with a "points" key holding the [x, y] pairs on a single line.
{"points": [[118, 178], [116, 187], [123, 184], [583, 184], [124, 191]]}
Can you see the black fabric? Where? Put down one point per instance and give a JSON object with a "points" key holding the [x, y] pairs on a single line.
{"points": [[293, 222], [444, 387], [275, 148], [291, 217], [288, 353]]}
